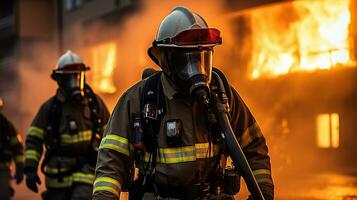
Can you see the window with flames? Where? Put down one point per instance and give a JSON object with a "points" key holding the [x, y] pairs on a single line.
{"points": [[299, 36], [104, 63], [328, 133]]}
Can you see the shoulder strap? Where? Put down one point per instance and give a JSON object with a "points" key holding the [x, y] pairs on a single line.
{"points": [[153, 106], [53, 123], [94, 107], [53, 138]]}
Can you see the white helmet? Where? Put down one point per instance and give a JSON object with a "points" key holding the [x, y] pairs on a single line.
{"points": [[183, 28], [69, 74], [70, 63]]}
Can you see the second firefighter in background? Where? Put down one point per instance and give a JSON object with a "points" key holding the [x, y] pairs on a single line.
{"points": [[70, 126]]}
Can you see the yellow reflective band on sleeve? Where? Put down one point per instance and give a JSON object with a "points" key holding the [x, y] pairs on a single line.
{"points": [[106, 188], [263, 176], [33, 155], [261, 171], [116, 143], [107, 184], [186, 154], [81, 136], [250, 134], [36, 132]]}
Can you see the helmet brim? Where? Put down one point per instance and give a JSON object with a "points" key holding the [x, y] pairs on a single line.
{"points": [[153, 51]]}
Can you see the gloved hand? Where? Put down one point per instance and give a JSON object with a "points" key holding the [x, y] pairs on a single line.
{"points": [[32, 179], [19, 173]]}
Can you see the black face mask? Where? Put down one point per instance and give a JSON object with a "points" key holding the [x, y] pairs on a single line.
{"points": [[72, 84], [191, 70]]}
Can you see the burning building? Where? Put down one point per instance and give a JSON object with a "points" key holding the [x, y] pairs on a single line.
{"points": [[294, 63], [300, 70]]}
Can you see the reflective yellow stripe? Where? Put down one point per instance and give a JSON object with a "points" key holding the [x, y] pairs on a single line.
{"points": [[106, 188], [115, 148], [261, 171], [68, 180], [84, 178], [109, 180], [203, 150], [107, 184], [81, 136], [54, 170], [250, 134], [116, 143], [117, 138], [263, 176], [36, 132], [32, 154], [176, 150], [186, 154]]}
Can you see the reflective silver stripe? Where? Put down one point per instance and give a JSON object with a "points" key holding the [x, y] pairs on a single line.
{"points": [[107, 184], [204, 150], [186, 153], [116, 143], [250, 134]]}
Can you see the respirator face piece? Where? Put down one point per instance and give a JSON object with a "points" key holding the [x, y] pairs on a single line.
{"points": [[188, 63], [72, 84], [192, 68]]}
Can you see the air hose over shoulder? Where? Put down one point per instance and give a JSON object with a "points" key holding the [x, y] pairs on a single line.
{"points": [[218, 103]]}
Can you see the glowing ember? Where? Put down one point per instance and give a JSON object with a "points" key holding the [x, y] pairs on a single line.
{"points": [[299, 36], [103, 65]]}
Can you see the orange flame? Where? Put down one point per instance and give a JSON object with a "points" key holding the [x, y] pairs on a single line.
{"points": [[299, 36], [104, 62]]}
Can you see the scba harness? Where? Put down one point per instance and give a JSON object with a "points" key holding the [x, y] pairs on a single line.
{"points": [[145, 139], [53, 140]]}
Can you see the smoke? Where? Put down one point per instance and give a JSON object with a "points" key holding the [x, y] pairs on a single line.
{"points": [[134, 35], [276, 104]]}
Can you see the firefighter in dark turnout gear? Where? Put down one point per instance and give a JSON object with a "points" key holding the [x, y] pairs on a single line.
{"points": [[11, 149], [162, 126], [69, 125]]}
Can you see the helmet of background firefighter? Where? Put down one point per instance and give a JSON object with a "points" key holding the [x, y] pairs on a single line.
{"points": [[70, 75], [183, 48]]}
